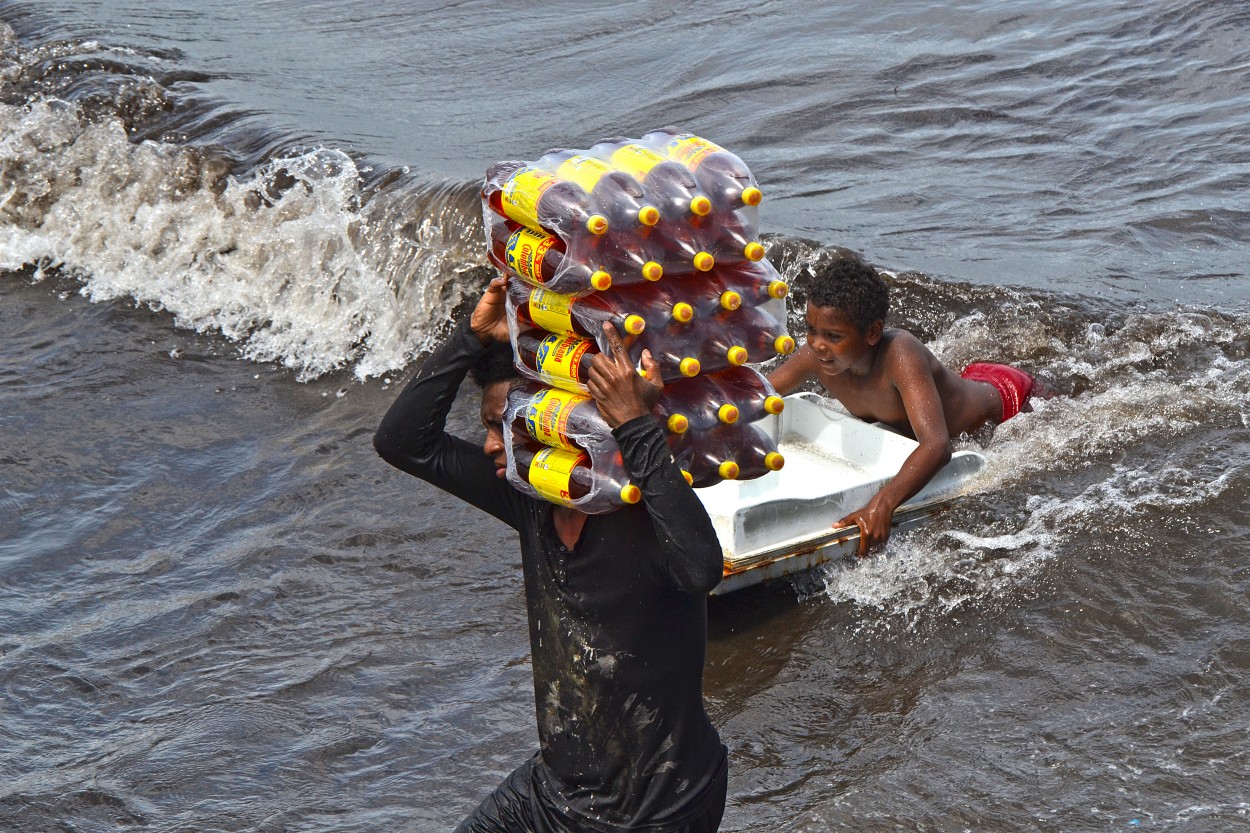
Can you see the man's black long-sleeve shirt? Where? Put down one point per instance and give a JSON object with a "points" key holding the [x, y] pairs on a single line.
{"points": [[618, 624]]}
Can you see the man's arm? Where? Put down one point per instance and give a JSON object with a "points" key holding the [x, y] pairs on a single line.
{"points": [[689, 550], [412, 436], [909, 371]]}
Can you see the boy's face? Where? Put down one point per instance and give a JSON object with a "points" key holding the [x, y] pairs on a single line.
{"points": [[838, 344]]}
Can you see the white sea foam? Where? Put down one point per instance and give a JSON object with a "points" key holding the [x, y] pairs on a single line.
{"points": [[286, 261]]}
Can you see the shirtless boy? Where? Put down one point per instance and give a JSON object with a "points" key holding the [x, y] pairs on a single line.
{"points": [[889, 376]]}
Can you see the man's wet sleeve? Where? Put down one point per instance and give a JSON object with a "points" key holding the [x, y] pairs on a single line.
{"points": [[689, 550], [412, 436]]}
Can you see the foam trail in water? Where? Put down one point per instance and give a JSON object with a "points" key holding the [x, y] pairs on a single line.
{"points": [[286, 261]]}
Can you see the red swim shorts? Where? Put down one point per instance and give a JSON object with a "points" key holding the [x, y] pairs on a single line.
{"points": [[1014, 386]]}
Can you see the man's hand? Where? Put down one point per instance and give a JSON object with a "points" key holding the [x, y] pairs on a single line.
{"points": [[874, 525], [489, 320], [621, 392]]}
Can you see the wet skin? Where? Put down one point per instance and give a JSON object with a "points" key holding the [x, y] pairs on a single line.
{"points": [[888, 376]]}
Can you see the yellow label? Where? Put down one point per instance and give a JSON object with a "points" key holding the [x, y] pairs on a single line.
{"points": [[636, 160], [551, 473], [551, 311], [558, 360], [525, 251], [586, 171], [522, 192], [690, 150], [547, 417]]}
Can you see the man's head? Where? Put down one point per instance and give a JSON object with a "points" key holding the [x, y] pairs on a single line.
{"points": [[854, 288], [495, 374]]}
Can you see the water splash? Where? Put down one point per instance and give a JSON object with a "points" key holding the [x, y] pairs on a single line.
{"points": [[309, 259]]}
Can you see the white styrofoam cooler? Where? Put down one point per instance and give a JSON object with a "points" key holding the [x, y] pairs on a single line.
{"points": [[783, 522]]}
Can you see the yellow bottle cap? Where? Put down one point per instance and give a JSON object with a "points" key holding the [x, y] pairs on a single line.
{"points": [[597, 224], [737, 355], [689, 477], [652, 271], [727, 414], [648, 215], [631, 494], [728, 470], [601, 280], [677, 423], [754, 252], [634, 324], [689, 367], [784, 345], [774, 404], [704, 262], [682, 311], [778, 289], [700, 206], [752, 195], [773, 461], [730, 300]]}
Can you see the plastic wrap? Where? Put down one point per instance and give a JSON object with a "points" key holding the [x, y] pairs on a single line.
{"points": [[657, 236], [560, 449], [622, 212]]}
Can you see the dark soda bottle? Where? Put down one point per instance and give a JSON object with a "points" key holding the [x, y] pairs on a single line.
{"points": [[627, 257], [668, 306], [559, 360], [674, 347], [749, 390], [728, 239], [660, 304], [761, 335], [724, 177], [701, 456], [670, 184], [615, 194], [538, 257], [756, 284], [537, 198], [556, 418], [708, 296], [721, 346], [755, 453], [696, 404], [565, 477], [567, 315], [678, 248]]}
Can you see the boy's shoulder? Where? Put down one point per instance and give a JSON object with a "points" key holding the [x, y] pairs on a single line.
{"points": [[901, 349], [897, 341]]}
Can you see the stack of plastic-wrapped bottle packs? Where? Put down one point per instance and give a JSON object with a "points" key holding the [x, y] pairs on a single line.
{"points": [[659, 236]]}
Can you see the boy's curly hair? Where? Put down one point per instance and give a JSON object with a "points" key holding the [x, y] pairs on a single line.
{"points": [[852, 286]]}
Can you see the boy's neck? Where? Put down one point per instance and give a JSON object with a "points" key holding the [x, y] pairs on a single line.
{"points": [[864, 366]]}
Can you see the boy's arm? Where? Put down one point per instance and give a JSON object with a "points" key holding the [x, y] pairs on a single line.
{"points": [[909, 371], [793, 372]]}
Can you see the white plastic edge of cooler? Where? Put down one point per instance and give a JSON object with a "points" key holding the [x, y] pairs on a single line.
{"points": [[835, 463]]}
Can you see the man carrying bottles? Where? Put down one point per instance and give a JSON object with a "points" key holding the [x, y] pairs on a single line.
{"points": [[617, 602]]}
